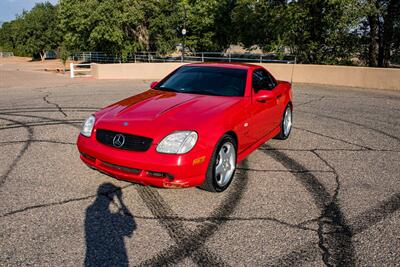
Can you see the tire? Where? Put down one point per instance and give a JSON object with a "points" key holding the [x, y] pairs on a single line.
{"points": [[285, 128], [215, 180]]}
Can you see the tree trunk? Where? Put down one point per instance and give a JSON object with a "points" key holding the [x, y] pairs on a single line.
{"points": [[381, 42], [42, 55], [373, 40], [392, 11]]}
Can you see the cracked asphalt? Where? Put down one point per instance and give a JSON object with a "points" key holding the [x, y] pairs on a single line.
{"points": [[329, 195]]}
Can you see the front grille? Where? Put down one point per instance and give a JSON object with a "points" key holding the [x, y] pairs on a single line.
{"points": [[132, 142]]}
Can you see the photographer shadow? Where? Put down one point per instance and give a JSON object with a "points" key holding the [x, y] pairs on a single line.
{"points": [[105, 229]]}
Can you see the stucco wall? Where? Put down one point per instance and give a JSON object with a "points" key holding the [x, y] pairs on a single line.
{"points": [[376, 78], [142, 71]]}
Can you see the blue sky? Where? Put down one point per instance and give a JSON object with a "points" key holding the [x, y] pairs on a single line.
{"points": [[10, 8]]}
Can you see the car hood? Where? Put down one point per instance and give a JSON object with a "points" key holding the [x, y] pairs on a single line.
{"points": [[156, 111]]}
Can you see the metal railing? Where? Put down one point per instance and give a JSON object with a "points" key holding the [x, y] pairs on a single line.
{"points": [[98, 57], [6, 54], [80, 70]]}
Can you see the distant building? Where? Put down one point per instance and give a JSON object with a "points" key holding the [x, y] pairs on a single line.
{"points": [[239, 49]]}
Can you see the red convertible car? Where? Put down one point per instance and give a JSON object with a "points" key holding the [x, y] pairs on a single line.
{"points": [[191, 128]]}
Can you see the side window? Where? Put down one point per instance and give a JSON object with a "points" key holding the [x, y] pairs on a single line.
{"points": [[262, 80], [271, 82], [258, 80]]}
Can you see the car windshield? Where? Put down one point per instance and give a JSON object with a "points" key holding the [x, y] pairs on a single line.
{"points": [[205, 80]]}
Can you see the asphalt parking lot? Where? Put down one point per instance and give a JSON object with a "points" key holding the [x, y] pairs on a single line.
{"points": [[329, 195]]}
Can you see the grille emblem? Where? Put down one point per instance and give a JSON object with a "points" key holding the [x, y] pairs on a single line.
{"points": [[118, 140]]}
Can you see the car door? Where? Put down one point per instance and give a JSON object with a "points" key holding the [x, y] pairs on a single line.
{"points": [[262, 114], [279, 93]]}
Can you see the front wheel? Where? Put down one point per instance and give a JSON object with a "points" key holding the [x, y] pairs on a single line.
{"points": [[222, 165], [286, 124]]}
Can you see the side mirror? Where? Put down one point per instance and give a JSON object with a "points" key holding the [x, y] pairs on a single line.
{"points": [[153, 84], [264, 95]]}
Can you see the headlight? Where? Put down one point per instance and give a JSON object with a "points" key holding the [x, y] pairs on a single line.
{"points": [[88, 126], [177, 142]]}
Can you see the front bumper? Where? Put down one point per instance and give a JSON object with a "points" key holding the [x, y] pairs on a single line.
{"points": [[147, 168]]}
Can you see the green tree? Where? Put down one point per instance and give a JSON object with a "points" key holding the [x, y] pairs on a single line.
{"points": [[210, 25], [316, 31], [323, 31], [111, 26], [6, 42], [165, 22], [259, 23], [382, 20], [39, 31], [63, 54], [395, 56], [12, 36]]}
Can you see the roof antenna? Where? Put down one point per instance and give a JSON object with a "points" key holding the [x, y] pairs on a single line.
{"points": [[294, 63]]}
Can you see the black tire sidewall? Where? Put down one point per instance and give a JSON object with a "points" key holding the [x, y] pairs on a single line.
{"points": [[221, 142]]}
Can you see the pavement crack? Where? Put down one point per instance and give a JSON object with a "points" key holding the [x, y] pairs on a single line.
{"points": [[332, 222], [299, 226], [4, 111], [329, 149], [311, 101], [192, 244], [289, 171], [333, 138], [36, 141], [336, 248], [44, 123], [336, 193], [47, 119], [20, 153], [375, 215], [353, 123], [62, 202], [176, 230], [357, 225], [54, 104]]}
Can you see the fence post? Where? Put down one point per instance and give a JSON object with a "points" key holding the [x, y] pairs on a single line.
{"points": [[202, 57], [229, 57], [71, 70], [260, 58]]}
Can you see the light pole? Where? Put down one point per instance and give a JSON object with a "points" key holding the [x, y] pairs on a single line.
{"points": [[183, 43], [184, 31]]}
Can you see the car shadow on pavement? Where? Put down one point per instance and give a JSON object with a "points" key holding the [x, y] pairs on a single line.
{"points": [[107, 222]]}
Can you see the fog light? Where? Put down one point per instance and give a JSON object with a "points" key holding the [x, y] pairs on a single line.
{"points": [[160, 174]]}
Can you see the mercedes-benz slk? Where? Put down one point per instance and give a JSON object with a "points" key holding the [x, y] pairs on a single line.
{"points": [[190, 129]]}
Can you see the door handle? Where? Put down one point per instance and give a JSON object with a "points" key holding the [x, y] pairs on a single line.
{"points": [[278, 96]]}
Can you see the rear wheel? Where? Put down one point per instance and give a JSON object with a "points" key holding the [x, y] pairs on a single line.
{"points": [[286, 124], [222, 165]]}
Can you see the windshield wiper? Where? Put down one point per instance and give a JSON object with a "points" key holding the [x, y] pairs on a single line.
{"points": [[167, 89], [203, 93]]}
